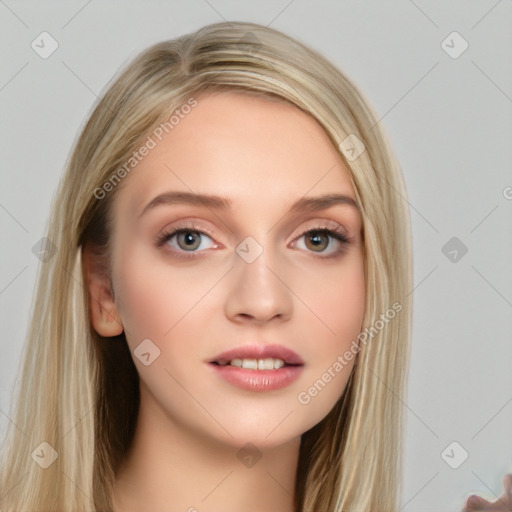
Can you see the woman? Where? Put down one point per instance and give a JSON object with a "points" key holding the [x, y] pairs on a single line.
{"points": [[225, 323]]}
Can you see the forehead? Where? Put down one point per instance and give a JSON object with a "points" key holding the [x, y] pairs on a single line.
{"points": [[240, 146]]}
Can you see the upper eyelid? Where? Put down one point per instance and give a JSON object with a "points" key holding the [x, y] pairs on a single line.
{"points": [[187, 224]]}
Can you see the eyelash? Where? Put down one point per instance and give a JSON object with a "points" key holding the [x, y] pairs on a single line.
{"points": [[330, 229]]}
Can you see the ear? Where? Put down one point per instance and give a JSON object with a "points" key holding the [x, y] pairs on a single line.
{"points": [[102, 309]]}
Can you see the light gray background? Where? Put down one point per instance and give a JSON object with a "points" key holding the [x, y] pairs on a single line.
{"points": [[449, 120]]}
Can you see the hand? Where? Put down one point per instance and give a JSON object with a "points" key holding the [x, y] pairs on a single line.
{"points": [[475, 503]]}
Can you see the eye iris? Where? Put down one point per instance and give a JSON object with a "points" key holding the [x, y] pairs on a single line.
{"points": [[190, 240], [317, 239]]}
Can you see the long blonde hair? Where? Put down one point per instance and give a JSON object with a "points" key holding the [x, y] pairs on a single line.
{"points": [[79, 392]]}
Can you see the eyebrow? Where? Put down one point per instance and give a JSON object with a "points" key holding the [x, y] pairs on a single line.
{"points": [[304, 204]]}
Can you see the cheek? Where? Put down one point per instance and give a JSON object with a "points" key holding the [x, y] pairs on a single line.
{"points": [[147, 298], [338, 300], [155, 299]]}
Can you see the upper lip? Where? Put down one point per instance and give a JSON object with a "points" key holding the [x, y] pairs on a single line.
{"points": [[260, 352]]}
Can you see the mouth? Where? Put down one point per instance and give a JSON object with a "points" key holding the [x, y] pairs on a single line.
{"points": [[258, 357], [258, 367], [269, 363]]}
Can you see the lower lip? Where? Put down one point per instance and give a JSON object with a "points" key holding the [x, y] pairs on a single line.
{"points": [[258, 380]]}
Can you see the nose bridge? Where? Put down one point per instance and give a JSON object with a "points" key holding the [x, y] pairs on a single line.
{"points": [[254, 263], [257, 291]]}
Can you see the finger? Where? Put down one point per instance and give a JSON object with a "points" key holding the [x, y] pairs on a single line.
{"points": [[507, 483], [503, 504], [474, 503]]}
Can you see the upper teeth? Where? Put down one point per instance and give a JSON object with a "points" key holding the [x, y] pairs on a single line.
{"points": [[257, 364]]}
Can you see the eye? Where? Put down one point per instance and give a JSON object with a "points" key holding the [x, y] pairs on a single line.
{"points": [[185, 240], [327, 242], [188, 240]]}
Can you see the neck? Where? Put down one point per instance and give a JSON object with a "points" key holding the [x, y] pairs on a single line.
{"points": [[172, 468]]}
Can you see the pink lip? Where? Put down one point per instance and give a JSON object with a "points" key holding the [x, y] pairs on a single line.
{"points": [[259, 380]]}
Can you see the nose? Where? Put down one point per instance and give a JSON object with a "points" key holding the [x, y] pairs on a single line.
{"points": [[258, 290]]}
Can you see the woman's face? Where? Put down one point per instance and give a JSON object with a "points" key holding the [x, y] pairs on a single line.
{"points": [[244, 281]]}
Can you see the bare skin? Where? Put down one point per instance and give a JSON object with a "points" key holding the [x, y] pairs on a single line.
{"points": [[503, 504], [305, 292]]}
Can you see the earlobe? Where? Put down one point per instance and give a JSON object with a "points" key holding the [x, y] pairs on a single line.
{"points": [[103, 312]]}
